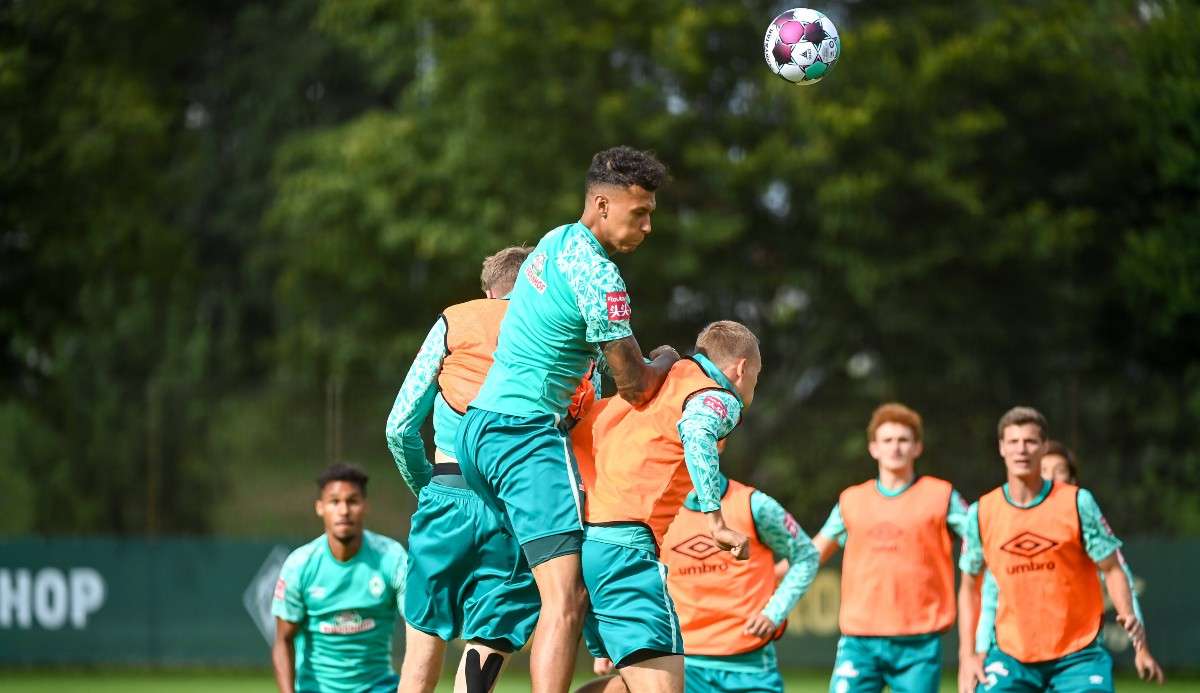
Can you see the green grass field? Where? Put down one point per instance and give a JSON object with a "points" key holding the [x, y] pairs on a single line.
{"points": [[192, 682]]}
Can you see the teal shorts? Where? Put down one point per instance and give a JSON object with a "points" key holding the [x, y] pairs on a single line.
{"points": [[1086, 671], [467, 578], [388, 684], [631, 611], [908, 664], [523, 468], [713, 680]]}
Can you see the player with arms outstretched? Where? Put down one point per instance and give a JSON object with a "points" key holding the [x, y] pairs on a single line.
{"points": [[1043, 542], [337, 598], [569, 300], [898, 571]]}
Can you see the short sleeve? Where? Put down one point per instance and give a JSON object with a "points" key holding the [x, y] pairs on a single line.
{"points": [[971, 560], [835, 527], [956, 515], [1098, 537], [599, 291], [288, 601]]}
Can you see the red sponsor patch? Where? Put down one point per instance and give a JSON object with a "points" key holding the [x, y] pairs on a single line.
{"points": [[716, 405], [280, 588], [793, 527], [618, 306]]}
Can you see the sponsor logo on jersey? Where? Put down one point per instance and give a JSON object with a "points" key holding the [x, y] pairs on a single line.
{"points": [[534, 271], [699, 547], [618, 306], [346, 623], [715, 404], [280, 588]]}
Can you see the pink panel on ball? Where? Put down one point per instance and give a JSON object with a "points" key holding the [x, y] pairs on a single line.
{"points": [[791, 32]]}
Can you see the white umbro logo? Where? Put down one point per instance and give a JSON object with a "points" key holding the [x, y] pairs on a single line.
{"points": [[1096, 678], [316, 592]]}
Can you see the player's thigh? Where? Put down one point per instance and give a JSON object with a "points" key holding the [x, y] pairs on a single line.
{"points": [[662, 674], [914, 664], [630, 610], [1005, 674], [532, 471], [857, 666], [713, 680], [1086, 671], [500, 602], [441, 557]]}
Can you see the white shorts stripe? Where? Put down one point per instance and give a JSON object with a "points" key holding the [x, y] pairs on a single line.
{"points": [[662, 573], [573, 481]]}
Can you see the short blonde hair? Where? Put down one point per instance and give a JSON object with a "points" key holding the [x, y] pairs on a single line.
{"points": [[500, 270], [726, 341], [894, 412], [1019, 416]]}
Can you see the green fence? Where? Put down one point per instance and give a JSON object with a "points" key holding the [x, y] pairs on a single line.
{"points": [[206, 602]]}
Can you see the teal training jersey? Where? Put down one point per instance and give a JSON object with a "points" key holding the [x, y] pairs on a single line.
{"points": [[569, 298], [346, 611]]}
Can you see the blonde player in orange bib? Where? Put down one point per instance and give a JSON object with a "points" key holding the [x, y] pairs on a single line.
{"points": [[1043, 541], [638, 466], [898, 571]]}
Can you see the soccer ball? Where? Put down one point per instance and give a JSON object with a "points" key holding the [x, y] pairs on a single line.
{"points": [[801, 46]]}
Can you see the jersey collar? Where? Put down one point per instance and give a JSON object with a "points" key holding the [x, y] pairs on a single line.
{"points": [[1041, 496], [892, 494], [710, 369], [583, 228]]}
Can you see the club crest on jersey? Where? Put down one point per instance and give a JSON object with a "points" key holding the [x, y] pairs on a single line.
{"points": [[716, 405], [534, 271], [618, 306], [375, 585]]}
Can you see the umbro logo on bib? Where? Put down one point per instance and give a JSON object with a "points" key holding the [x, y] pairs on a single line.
{"points": [[1028, 545]]}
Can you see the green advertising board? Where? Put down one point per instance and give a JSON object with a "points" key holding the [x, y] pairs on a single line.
{"points": [[206, 602]]}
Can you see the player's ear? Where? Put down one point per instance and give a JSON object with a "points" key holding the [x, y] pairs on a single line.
{"points": [[918, 448], [320, 509]]}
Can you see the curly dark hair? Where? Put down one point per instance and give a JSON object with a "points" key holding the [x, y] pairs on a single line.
{"points": [[625, 166], [342, 472]]}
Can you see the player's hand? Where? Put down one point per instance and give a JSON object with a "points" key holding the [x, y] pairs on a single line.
{"points": [[602, 666], [667, 350], [970, 672], [760, 626], [1147, 668], [735, 543], [1135, 630]]}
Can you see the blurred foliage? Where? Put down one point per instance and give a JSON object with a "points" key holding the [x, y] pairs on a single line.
{"points": [[212, 208]]}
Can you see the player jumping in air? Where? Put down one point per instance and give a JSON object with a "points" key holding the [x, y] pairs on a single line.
{"points": [[898, 571], [466, 575], [1043, 542], [642, 462], [569, 300], [337, 598], [1058, 465]]}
